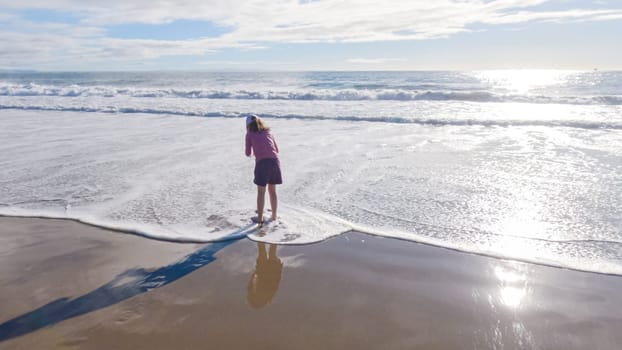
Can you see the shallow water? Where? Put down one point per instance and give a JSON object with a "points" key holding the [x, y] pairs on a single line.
{"points": [[535, 181]]}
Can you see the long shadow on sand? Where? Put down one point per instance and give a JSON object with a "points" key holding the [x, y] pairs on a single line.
{"points": [[124, 286]]}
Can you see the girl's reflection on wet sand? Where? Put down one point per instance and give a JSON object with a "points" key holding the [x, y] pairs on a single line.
{"points": [[264, 281]]}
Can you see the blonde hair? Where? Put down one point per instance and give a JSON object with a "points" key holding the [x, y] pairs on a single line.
{"points": [[257, 125]]}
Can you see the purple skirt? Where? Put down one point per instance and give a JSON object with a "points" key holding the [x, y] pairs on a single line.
{"points": [[268, 171]]}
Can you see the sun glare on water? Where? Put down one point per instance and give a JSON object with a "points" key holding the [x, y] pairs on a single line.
{"points": [[512, 285], [523, 81]]}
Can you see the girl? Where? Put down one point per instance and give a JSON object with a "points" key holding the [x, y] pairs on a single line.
{"points": [[267, 165]]}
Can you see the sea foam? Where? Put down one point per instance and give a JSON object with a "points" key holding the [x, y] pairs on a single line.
{"points": [[538, 194], [522, 165], [347, 94]]}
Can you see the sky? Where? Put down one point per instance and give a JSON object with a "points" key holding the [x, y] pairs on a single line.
{"points": [[302, 35]]}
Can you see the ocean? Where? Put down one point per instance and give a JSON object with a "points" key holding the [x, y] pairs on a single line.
{"points": [[525, 165]]}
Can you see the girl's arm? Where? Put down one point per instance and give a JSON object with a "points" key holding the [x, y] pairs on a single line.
{"points": [[248, 145]]}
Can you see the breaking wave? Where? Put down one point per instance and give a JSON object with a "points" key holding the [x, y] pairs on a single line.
{"points": [[32, 89], [581, 124]]}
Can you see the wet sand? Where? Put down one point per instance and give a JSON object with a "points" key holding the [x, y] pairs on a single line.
{"points": [[65, 285]]}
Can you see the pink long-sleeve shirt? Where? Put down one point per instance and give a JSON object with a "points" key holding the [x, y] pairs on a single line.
{"points": [[262, 144]]}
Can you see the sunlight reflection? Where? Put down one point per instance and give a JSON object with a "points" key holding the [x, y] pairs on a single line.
{"points": [[512, 285], [524, 214], [523, 81], [516, 228], [530, 111], [508, 276], [512, 296], [521, 224]]}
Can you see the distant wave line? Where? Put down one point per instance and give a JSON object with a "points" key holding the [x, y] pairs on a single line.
{"points": [[395, 120], [33, 90]]}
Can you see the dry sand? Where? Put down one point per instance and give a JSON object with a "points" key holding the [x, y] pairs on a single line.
{"points": [[64, 285]]}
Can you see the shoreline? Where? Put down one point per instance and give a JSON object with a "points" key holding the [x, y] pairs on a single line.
{"points": [[134, 232], [241, 233], [100, 289]]}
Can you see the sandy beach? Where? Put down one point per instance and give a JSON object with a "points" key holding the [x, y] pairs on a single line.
{"points": [[311, 175], [65, 285]]}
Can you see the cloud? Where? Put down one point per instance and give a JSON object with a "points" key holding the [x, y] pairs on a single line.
{"points": [[255, 24], [556, 16]]}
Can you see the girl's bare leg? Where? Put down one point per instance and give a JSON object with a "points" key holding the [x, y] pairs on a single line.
{"points": [[261, 199], [273, 200]]}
